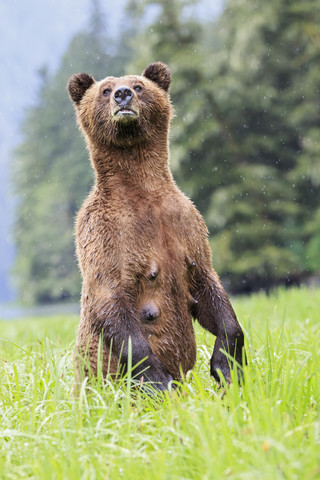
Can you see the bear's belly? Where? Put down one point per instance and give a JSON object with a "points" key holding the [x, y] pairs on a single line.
{"points": [[164, 302], [143, 257]]}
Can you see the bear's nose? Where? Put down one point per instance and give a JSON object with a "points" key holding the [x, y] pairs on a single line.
{"points": [[123, 95]]}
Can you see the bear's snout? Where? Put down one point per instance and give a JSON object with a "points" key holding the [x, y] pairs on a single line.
{"points": [[123, 96], [125, 106]]}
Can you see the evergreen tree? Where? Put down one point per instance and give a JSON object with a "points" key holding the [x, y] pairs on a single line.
{"points": [[176, 37], [245, 138], [267, 73], [245, 90], [52, 173]]}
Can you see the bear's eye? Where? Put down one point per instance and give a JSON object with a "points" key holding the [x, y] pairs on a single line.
{"points": [[106, 92], [137, 88]]}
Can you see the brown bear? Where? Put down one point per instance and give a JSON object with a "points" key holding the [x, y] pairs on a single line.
{"points": [[141, 244]]}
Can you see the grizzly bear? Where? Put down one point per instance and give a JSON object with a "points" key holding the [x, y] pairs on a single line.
{"points": [[141, 244]]}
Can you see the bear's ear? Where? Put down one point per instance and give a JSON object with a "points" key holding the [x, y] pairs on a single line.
{"points": [[160, 74], [78, 84]]}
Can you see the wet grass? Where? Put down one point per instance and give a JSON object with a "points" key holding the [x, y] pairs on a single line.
{"points": [[268, 429]]}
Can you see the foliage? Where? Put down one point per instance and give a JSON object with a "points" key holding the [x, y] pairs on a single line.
{"points": [[271, 198], [246, 146], [267, 429], [52, 173], [245, 140]]}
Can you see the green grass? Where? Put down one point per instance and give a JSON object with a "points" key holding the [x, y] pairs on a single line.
{"points": [[268, 429]]}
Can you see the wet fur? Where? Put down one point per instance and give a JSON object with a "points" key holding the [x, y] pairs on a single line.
{"points": [[142, 245]]}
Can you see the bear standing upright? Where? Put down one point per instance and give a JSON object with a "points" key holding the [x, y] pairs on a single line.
{"points": [[141, 244]]}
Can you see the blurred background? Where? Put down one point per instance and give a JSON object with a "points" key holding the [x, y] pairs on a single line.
{"points": [[245, 140]]}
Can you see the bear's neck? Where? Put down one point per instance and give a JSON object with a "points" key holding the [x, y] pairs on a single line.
{"points": [[142, 167]]}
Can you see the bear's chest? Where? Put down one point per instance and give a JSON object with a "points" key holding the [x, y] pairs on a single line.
{"points": [[128, 236], [149, 231], [153, 225]]}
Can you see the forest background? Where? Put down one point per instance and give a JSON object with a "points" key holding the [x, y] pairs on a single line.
{"points": [[245, 139]]}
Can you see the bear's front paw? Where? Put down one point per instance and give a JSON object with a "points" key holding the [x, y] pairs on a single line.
{"points": [[219, 366], [221, 363]]}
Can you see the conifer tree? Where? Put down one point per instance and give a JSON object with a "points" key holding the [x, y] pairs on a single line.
{"points": [[52, 173], [267, 76], [245, 140], [245, 132]]}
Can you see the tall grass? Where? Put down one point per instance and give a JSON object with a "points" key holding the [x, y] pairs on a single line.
{"points": [[267, 429]]}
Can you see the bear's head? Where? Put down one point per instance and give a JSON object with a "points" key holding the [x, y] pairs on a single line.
{"points": [[125, 111]]}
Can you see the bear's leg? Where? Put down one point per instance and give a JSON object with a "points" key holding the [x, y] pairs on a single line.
{"points": [[214, 312], [93, 358], [122, 330]]}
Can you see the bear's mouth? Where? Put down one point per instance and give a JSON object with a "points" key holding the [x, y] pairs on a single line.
{"points": [[125, 112]]}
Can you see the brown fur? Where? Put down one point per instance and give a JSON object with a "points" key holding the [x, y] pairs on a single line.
{"points": [[142, 245]]}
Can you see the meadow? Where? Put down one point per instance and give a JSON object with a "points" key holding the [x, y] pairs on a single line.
{"points": [[269, 428]]}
